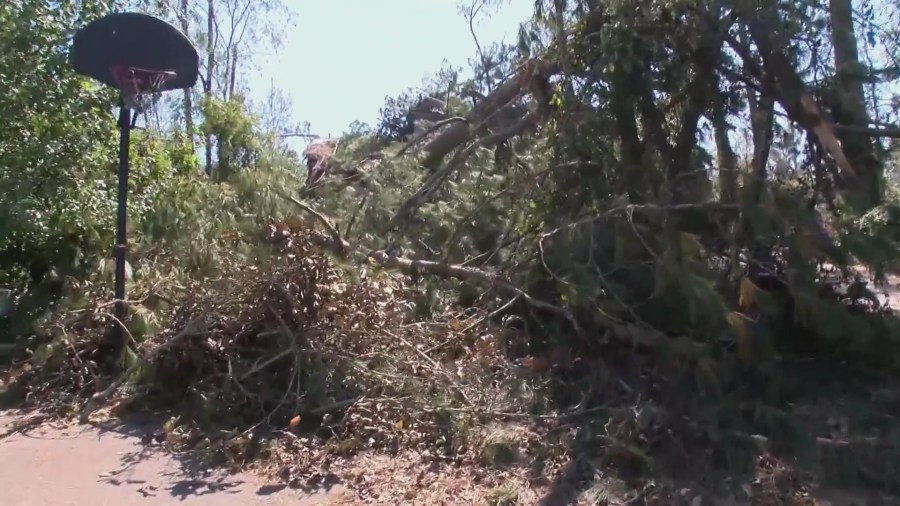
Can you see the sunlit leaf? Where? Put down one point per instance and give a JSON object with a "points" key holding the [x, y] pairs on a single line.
{"points": [[745, 339], [747, 294]]}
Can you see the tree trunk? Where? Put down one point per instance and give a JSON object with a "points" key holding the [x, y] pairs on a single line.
{"points": [[459, 132], [850, 108], [231, 84], [728, 179], [188, 98], [210, 67], [762, 125], [725, 154], [791, 92]]}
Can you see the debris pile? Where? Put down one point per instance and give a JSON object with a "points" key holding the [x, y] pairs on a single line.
{"points": [[297, 350]]}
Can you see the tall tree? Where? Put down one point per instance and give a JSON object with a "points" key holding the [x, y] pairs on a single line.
{"points": [[184, 19], [210, 72], [850, 105]]}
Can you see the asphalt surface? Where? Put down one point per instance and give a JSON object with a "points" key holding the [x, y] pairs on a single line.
{"points": [[82, 465]]}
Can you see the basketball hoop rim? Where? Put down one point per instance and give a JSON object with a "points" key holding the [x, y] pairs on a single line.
{"points": [[155, 79]]}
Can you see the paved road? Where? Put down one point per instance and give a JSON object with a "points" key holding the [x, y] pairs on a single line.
{"points": [[79, 465]]}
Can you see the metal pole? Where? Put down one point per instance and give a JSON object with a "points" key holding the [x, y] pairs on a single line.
{"points": [[125, 125]]}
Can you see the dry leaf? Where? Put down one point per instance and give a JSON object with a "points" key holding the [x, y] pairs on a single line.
{"points": [[747, 294], [746, 350], [690, 245], [535, 364]]}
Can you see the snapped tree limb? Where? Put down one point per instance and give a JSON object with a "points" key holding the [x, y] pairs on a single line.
{"points": [[460, 132], [337, 243], [434, 181], [432, 129], [793, 95]]}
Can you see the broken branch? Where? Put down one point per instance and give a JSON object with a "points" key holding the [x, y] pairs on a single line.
{"points": [[340, 244], [408, 266]]}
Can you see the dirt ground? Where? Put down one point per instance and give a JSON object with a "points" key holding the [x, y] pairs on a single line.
{"points": [[62, 465]]}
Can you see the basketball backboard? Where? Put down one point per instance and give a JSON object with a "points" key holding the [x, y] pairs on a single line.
{"points": [[128, 49]]}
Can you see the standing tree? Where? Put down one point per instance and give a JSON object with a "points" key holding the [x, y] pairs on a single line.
{"points": [[849, 107]]}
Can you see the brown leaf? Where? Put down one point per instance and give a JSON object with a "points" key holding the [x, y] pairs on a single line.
{"points": [[746, 345], [535, 364]]}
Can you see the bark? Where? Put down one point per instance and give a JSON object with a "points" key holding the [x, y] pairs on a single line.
{"points": [[233, 79], [530, 71], [559, 14], [336, 242], [210, 67], [762, 125], [851, 105], [728, 180], [725, 154], [632, 334], [762, 117], [702, 88], [438, 177], [678, 157], [622, 105], [188, 97], [462, 272]]}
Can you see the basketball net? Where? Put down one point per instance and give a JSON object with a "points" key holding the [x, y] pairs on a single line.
{"points": [[136, 84]]}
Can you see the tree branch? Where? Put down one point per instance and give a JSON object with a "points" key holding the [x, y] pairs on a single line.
{"points": [[341, 246], [887, 132], [793, 96], [628, 333], [458, 133], [431, 184], [411, 267]]}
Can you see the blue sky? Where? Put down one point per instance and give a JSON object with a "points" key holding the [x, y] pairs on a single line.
{"points": [[344, 56]]}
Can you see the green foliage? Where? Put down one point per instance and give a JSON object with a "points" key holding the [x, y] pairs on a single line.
{"points": [[392, 122], [56, 176], [236, 132], [469, 219]]}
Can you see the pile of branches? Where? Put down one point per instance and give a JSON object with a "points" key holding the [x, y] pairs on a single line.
{"points": [[287, 341], [292, 346]]}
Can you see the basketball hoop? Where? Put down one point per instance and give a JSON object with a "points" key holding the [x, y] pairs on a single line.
{"points": [[137, 83], [139, 55]]}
